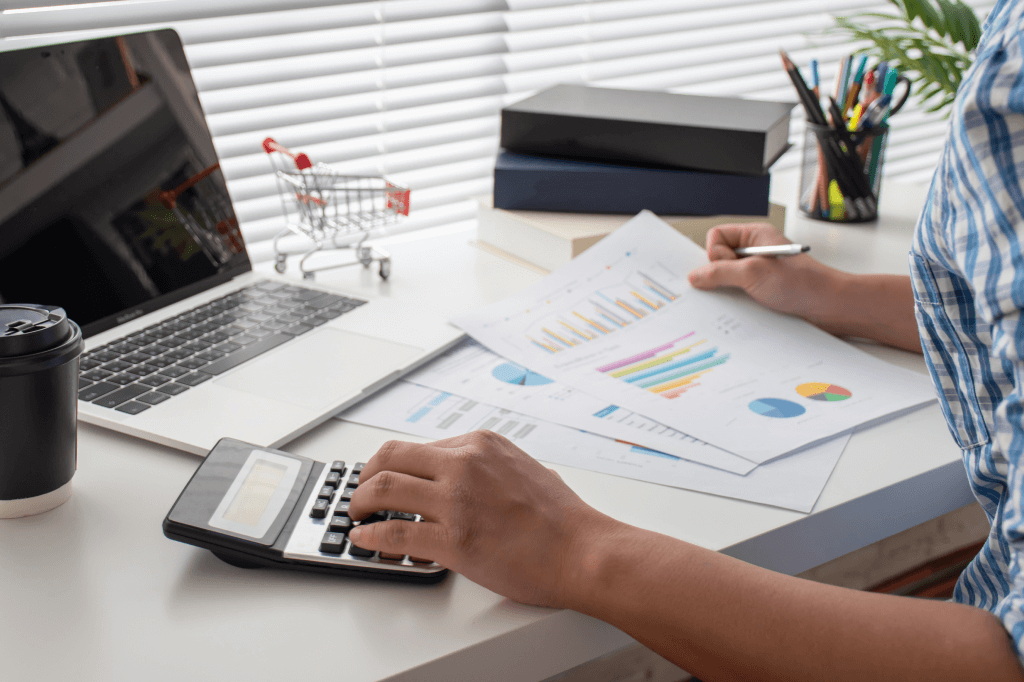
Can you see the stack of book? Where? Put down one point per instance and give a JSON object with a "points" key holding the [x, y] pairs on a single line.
{"points": [[581, 149]]}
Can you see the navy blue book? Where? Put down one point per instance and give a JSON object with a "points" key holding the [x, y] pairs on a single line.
{"points": [[541, 183]]}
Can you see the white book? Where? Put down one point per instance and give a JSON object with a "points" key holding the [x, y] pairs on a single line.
{"points": [[549, 240]]}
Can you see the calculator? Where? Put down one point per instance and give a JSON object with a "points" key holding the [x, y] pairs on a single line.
{"points": [[256, 507]]}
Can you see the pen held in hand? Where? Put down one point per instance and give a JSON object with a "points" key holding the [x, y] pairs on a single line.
{"points": [[774, 251]]}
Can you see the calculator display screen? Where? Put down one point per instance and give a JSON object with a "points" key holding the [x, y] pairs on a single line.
{"points": [[254, 495], [257, 494]]}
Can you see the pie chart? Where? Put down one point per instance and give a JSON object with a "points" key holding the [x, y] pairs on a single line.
{"points": [[514, 374], [776, 408], [823, 392]]}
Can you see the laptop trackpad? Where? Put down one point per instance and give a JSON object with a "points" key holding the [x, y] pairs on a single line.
{"points": [[320, 368]]}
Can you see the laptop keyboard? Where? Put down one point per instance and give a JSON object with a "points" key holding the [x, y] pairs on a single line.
{"points": [[163, 360]]}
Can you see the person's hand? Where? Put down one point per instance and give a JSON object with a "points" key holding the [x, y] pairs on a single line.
{"points": [[491, 512], [798, 285]]}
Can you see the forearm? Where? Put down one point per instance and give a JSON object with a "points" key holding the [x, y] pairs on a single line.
{"points": [[722, 619], [876, 307]]}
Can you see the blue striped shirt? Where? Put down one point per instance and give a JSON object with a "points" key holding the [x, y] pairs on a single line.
{"points": [[967, 268]]}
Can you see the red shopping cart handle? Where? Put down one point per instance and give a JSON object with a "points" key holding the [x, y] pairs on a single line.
{"points": [[302, 161]]}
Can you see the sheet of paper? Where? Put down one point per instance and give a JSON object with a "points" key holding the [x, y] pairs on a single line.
{"points": [[792, 482], [472, 371], [621, 323]]}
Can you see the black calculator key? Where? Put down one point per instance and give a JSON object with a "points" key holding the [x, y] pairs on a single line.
{"points": [[403, 516], [332, 543], [357, 468], [170, 342], [338, 465], [154, 380], [140, 370], [121, 348], [194, 379], [209, 356], [177, 354], [320, 508], [326, 493], [174, 372], [359, 551], [121, 379], [103, 356], [333, 479], [132, 407], [160, 362], [353, 480], [121, 395], [90, 393], [136, 358], [341, 509], [247, 353], [192, 363], [172, 389], [85, 364], [346, 494], [152, 351], [197, 346], [340, 524], [153, 398]]}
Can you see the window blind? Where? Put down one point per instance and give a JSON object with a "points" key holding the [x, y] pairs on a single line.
{"points": [[412, 89]]}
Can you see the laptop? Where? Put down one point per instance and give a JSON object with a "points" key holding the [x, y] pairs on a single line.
{"points": [[113, 206]]}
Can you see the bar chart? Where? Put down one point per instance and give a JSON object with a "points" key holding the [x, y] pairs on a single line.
{"points": [[668, 370], [602, 313]]}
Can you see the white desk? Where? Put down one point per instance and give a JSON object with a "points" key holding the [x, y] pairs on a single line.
{"points": [[93, 591]]}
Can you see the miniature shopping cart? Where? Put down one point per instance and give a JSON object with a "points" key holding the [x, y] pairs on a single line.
{"points": [[332, 210], [205, 213]]}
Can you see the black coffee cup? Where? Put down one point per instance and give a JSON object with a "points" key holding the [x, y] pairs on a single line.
{"points": [[39, 353]]}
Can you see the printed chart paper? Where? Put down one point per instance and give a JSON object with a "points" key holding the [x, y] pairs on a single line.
{"points": [[793, 482], [472, 371], [622, 323]]}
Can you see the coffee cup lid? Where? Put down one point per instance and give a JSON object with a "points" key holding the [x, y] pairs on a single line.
{"points": [[28, 328]]}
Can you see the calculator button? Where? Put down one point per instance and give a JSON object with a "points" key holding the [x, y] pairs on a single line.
{"points": [[402, 516], [332, 543], [353, 481], [326, 493], [338, 466], [347, 493], [340, 524], [359, 551], [341, 509], [333, 478], [320, 508], [358, 467], [154, 380], [122, 395]]}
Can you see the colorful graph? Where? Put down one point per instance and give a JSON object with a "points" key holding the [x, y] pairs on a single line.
{"points": [[777, 408], [517, 375], [669, 370], [824, 392], [602, 313]]}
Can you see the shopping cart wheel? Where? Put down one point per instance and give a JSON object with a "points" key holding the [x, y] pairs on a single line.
{"points": [[385, 268]]}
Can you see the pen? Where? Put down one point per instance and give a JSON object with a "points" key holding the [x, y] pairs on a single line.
{"points": [[774, 251]]}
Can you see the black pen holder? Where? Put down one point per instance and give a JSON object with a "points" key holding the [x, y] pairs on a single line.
{"points": [[841, 173]]}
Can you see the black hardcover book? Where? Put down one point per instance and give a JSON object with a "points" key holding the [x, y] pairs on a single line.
{"points": [[719, 134], [537, 183]]}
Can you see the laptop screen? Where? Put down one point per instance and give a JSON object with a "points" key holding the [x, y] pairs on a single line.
{"points": [[112, 201]]}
